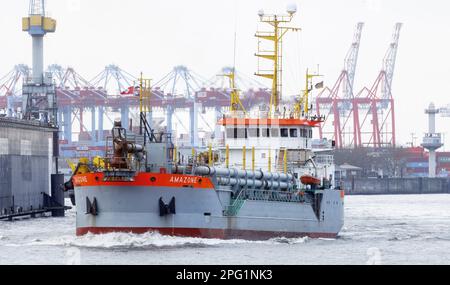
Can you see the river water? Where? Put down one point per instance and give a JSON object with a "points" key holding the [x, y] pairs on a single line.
{"points": [[406, 229]]}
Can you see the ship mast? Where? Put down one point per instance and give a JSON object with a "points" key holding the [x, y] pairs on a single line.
{"points": [[302, 108], [235, 101], [279, 29], [145, 109]]}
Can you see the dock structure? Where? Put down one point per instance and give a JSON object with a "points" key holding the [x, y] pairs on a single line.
{"points": [[26, 162]]}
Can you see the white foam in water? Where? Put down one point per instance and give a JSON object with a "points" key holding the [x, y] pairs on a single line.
{"points": [[394, 225], [287, 240], [147, 240], [327, 239]]}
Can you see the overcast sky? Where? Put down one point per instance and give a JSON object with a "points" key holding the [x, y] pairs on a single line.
{"points": [[154, 35]]}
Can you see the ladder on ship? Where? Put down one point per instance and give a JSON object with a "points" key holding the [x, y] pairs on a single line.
{"points": [[236, 205], [148, 131], [280, 160]]}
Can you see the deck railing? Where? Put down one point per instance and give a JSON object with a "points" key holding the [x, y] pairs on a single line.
{"points": [[273, 196], [262, 195]]}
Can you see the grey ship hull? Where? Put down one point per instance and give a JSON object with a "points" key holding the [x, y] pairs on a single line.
{"points": [[202, 212]]}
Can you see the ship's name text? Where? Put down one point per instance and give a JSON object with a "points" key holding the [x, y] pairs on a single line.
{"points": [[183, 179]]}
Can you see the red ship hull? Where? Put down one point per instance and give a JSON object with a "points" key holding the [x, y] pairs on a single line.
{"points": [[205, 233]]}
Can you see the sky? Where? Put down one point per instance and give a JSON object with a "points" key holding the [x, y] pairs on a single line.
{"points": [[153, 36]]}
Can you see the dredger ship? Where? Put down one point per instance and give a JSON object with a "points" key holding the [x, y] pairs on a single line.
{"points": [[261, 180]]}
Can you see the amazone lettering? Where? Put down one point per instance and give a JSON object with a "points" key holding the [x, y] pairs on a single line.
{"points": [[80, 179], [183, 179]]}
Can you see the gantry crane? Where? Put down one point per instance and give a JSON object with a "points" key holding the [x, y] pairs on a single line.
{"points": [[339, 103]]}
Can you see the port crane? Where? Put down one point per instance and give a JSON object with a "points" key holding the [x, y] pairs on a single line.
{"points": [[340, 107]]}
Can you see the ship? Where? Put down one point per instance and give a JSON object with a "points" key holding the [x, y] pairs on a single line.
{"points": [[261, 180]]}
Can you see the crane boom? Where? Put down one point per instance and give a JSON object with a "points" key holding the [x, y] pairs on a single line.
{"points": [[351, 61], [389, 62]]}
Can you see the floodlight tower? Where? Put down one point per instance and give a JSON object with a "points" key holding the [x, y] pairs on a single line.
{"points": [[432, 140], [39, 99]]}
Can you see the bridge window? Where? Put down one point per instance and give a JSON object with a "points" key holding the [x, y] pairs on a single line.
{"points": [[275, 132], [241, 133], [294, 133], [253, 133], [265, 132], [306, 133], [231, 133], [237, 133], [284, 133]]}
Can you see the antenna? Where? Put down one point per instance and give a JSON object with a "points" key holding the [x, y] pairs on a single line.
{"points": [[235, 102], [235, 44], [234, 56]]}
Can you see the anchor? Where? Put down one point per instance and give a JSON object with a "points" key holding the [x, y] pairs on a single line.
{"points": [[91, 207], [166, 209]]}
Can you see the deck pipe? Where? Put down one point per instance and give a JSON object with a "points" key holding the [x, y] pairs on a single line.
{"points": [[235, 173], [242, 182]]}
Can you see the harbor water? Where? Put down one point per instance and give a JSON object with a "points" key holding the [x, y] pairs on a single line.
{"points": [[397, 229]]}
